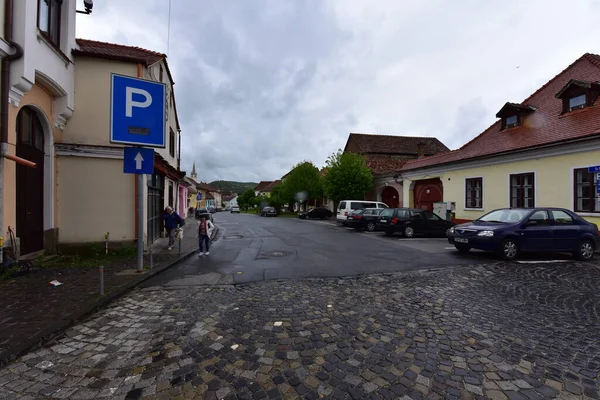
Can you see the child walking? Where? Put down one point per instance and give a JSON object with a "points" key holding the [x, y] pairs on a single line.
{"points": [[205, 228]]}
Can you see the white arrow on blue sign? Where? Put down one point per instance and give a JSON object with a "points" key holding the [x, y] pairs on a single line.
{"points": [[137, 112], [137, 160]]}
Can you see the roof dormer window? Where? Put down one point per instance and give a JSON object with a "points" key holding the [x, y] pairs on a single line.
{"points": [[578, 94], [511, 121], [577, 102], [512, 114]]}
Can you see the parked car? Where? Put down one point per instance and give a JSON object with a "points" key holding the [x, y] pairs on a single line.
{"points": [[364, 219], [268, 212], [510, 231], [347, 206], [317, 212], [200, 212], [212, 209], [235, 209], [412, 221]]}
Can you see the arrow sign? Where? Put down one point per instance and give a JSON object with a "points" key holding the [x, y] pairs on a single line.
{"points": [[138, 160]]}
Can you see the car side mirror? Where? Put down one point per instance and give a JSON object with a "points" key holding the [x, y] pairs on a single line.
{"points": [[531, 223]]}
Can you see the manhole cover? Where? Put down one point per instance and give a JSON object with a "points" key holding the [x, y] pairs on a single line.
{"points": [[233, 236], [276, 254]]}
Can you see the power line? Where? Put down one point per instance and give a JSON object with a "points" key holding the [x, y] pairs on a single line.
{"points": [[169, 29]]}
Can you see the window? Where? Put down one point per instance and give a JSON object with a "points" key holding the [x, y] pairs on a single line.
{"points": [[342, 205], [577, 102], [511, 121], [541, 217], [562, 218], [49, 13], [172, 143], [586, 199], [473, 193], [522, 190], [388, 212], [29, 129], [431, 216]]}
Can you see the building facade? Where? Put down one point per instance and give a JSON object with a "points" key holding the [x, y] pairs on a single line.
{"points": [[385, 154], [94, 195], [536, 153], [37, 103]]}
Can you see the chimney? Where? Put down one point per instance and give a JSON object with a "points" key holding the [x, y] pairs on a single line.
{"points": [[420, 150]]}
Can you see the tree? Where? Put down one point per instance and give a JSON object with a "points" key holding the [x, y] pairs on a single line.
{"points": [[303, 182], [260, 201], [246, 199], [278, 198], [347, 177]]}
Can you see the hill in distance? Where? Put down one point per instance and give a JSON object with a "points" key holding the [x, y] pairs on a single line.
{"points": [[233, 186]]}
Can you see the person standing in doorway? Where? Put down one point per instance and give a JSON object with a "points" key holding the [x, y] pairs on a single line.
{"points": [[205, 228], [172, 222]]}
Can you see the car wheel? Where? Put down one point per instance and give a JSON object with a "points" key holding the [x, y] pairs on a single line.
{"points": [[463, 249], [371, 227], [409, 231], [585, 251], [510, 249]]}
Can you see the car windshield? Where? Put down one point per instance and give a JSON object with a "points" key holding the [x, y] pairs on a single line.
{"points": [[505, 216]]}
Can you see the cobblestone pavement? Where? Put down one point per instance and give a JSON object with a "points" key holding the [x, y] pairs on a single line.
{"points": [[495, 331], [31, 309]]}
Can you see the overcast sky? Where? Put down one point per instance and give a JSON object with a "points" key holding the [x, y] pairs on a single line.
{"points": [[264, 84]]}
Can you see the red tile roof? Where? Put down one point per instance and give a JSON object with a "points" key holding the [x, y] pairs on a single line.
{"points": [[382, 164], [269, 188], [262, 185], [390, 144], [543, 126]]}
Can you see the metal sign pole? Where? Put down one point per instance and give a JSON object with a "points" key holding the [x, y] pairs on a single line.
{"points": [[140, 222]]}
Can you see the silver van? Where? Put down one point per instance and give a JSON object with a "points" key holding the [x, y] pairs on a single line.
{"points": [[347, 206]]}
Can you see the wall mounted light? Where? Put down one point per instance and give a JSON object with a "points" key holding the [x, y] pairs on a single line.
{"points": [[88, 5]]}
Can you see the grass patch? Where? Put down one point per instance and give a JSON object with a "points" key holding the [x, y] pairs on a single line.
{"points": [[96, 257]]}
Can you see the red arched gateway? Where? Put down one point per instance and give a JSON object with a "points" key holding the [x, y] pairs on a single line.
{"points": [[426, 192], [390, 196]]}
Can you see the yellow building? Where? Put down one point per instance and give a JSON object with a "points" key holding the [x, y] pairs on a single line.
{"points": [[536, 154]]}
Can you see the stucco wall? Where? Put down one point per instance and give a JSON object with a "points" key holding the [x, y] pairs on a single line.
{"points": [[41, 59], [95, 198], [153, 73], [91, 123], [553, 183]]}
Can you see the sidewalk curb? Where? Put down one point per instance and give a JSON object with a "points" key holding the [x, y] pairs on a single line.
{"points": [[51, 332]]}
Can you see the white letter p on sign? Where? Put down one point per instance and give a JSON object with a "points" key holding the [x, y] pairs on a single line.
{"points": [[129, 103]]}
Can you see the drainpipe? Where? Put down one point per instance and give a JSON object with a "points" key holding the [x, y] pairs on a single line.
{"points": [[4, 88], [178, 166]]}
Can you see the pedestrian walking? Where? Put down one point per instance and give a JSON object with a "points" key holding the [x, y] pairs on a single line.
{"points": [[205, 228], [172, 223]]}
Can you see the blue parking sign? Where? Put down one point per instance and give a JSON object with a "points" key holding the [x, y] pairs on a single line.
{"points": [[137, 112]]}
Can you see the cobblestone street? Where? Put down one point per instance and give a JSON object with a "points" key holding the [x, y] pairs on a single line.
{"points": [[494, 331]]}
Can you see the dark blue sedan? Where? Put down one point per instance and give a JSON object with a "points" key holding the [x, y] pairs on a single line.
{"points": [[510, 231]]}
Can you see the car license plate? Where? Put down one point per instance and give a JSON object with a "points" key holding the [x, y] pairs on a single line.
{"points": [[461, 240], [383, 220]]}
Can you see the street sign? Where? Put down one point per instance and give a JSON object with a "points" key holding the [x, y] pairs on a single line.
{"points": [[598, 187], [137, 111], [595, 168], [137, 160], [199, 196]]}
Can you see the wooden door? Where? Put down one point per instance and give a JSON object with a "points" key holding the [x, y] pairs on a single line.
{"points": [[30, 182]]}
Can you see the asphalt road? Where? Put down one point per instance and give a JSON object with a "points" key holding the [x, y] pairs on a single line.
{"points": [[250, 248]]}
